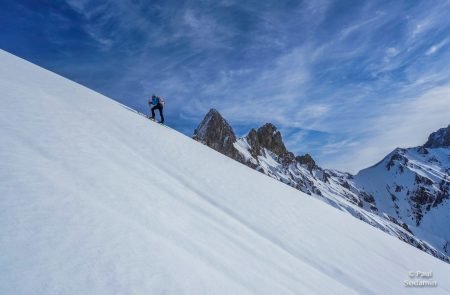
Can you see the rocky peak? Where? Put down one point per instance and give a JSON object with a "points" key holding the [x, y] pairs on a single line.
{"points": [[397, 157], [440, 138], [266, 137], [215, 132]]}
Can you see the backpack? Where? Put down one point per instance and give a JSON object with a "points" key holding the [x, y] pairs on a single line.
{"points": [[161, 100]]}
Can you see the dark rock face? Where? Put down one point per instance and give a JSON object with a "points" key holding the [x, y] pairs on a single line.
{"points": [[215, 132], [267, 137], [423, 198], [440, 138], [397, 156], [306, 160]]}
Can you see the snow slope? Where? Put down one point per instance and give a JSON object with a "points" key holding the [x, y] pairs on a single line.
{"points": [[96, 199]]}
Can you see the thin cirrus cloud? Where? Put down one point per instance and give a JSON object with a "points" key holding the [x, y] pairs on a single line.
{"points": [[433, 49], [330, 74]]}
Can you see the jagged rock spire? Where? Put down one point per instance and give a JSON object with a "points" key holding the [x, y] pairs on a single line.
{"points": [[268, 137], [215, 132]]}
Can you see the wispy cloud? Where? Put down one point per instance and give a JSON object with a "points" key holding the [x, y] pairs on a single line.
{"points": [[405, 123], [433, 49], [96, 18], [203, 30]]}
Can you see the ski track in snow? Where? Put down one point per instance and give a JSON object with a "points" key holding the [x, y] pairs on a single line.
{"points": [[96, 199]]}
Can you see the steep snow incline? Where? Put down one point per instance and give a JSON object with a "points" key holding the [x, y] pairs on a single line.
{"points": [[95, 199]]}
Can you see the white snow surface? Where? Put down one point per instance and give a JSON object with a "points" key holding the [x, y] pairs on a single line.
{"points": [[96, 199], [243, 148]]}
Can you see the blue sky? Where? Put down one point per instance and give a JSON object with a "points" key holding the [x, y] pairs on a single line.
{"points": [[346, 81]]}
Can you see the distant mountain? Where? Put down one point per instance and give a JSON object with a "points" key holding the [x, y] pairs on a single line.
{"points": [[412, 185], [263, 149]]}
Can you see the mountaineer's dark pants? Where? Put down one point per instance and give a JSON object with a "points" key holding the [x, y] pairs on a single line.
{"points": [[160, 108]]}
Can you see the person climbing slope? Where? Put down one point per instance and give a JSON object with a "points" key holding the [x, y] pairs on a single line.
{"points": [[156, 103]]}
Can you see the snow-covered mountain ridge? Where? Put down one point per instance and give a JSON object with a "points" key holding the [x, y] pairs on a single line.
{"points": [[364, 195], [413, 185]]}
